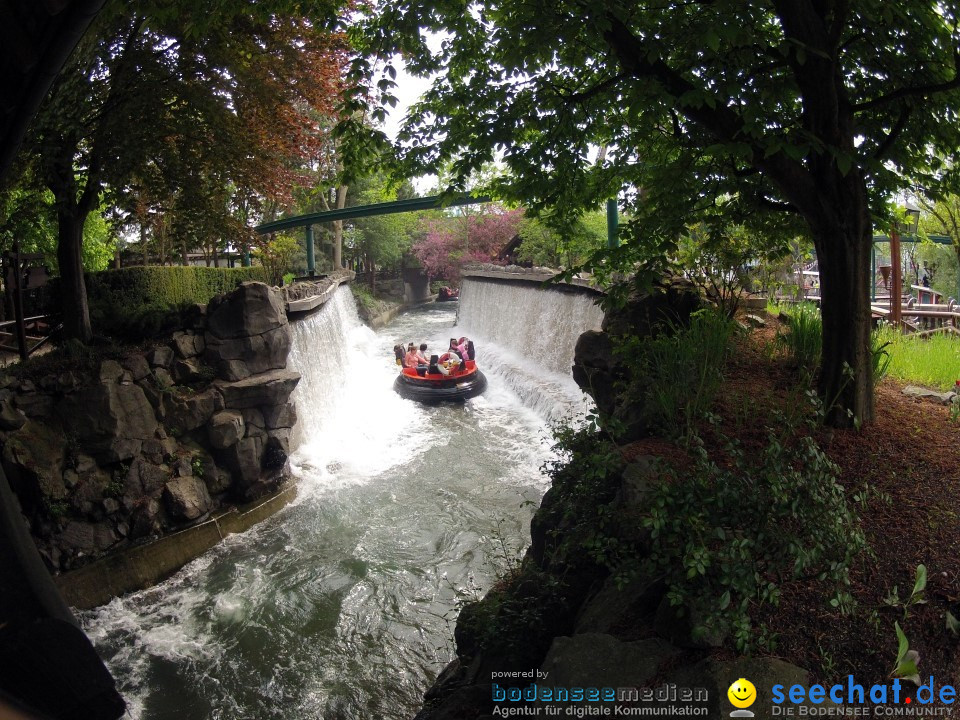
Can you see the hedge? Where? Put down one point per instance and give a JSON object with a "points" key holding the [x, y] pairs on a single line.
{"points": [[141, 302]]}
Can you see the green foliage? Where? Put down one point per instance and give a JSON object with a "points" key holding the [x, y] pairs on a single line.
{"points": [[931, 361], [567, 247], [916, 595], [695, 103], [908, 660], [717, 258], [725, 536], [27, 214], [803, 338], [953, 625], [56, 508], [141, 302], [680, 372], [277, 257], [379, 240]]}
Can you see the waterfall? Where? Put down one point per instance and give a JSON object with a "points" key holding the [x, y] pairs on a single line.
{"points": [[321, 354], [345, 401], [526, 335]]}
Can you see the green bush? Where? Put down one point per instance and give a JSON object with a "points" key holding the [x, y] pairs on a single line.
{"points": [[681, 371], [803, 338], [725, 536], [142, 302]]}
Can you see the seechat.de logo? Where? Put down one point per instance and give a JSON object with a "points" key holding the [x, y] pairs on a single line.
{"points": [[742, 694]]}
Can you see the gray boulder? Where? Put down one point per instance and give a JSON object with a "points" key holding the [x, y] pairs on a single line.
{"points": [[944, 398], [189, 413], [266, 389], [233, 370], [35, 405], [186, 498], [111, 421], [597, 660], [10, 417], [254, 308], [226, 428], [33, 459], [613, 606], [110, 371], [86, 538], [145, 520], [280, 416], [137, 365], [257, 353], [160, 356], [243, 460], [145, 479], [184, 344]]}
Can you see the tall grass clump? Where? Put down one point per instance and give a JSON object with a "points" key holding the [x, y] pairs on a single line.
{"points": [[685, 370], [932, 361], [803, 337]]}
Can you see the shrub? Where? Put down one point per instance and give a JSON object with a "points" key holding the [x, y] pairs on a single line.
{"points": [[680, 371], [803, 338], [142, 302], [725, 537]]}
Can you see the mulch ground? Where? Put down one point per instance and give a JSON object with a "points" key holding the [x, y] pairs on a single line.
{"points": [[910, 458]]}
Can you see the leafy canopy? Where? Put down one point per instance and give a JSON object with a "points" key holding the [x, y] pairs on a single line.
{"points": [[694, 100]]}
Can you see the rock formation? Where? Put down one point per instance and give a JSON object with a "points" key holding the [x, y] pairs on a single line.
{"points": [[110, 452]]}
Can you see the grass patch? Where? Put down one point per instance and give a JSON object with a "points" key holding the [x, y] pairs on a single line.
{"points": [[803, 338], [932, 361]]}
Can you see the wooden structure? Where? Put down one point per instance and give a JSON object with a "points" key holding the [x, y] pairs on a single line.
{"points": [[24, 272]]}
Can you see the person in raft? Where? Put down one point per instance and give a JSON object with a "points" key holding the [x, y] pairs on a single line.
{"points": [[422, 355], [398, 354], [454, 349], [410, 359]]}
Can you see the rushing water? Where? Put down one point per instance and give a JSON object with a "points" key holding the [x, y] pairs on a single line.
{"points": [[342, 605]]}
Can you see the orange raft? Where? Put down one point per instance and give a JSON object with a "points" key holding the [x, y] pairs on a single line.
{"points": [[462, 383]]}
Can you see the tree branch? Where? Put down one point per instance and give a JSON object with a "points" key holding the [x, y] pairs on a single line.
{"points": [[719, 121], [595, 90], [916, 91], [895, 131]]}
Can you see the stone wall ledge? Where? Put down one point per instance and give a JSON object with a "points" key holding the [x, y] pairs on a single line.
{"points": [[140, 567], [307, 295], [530, 276]]}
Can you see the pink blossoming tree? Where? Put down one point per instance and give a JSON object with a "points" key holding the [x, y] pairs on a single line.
{"points": [[452, 242]]}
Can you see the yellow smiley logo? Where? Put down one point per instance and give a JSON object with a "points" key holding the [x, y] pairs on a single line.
{"points": [[742, 693]]}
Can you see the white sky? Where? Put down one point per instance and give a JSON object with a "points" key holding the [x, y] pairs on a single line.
{"points": [[409, 89]]}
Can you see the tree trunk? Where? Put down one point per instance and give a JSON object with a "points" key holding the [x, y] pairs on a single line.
{"points": [[338, 229], [846, 371], [76, 312]]}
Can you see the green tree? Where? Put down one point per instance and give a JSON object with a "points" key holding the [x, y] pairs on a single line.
{"points": [[566, 246], [169, 102], [818, 110], [379, 240], [28, 215]]}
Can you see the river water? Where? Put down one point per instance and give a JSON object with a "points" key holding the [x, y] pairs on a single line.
{"points": [[342, 605]]}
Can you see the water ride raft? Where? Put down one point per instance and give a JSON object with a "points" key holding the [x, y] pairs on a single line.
{"points": [[459, 384]]}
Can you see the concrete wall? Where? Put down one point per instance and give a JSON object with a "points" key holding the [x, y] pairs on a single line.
{"points": [[145, 565]]}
